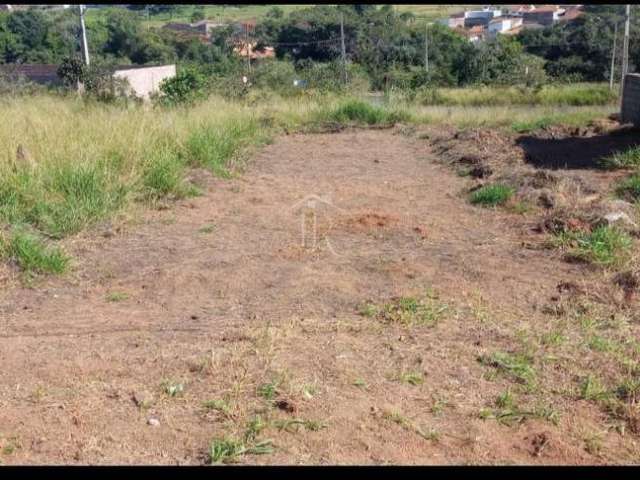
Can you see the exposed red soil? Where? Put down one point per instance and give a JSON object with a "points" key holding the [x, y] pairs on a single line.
{"points": [[224, 309]]}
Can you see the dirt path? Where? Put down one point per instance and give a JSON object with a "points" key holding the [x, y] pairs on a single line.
{"points": [[221, 297]]}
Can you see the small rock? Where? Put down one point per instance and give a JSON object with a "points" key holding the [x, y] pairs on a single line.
{"points": [[549, 199], [481, 171], [542, 179], [470, 159], [142, 399], [24, 158], [285, 405], [619, 219], [154, 422]]}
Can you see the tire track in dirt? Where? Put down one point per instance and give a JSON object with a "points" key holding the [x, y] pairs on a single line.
{"points": [[397, 224]]}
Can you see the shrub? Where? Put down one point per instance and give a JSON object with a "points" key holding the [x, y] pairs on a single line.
{"points": [[186, 87], [491, 195], [275, 75]]}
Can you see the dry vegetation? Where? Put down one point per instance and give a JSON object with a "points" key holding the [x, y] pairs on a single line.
{"points": [[477, 302]]}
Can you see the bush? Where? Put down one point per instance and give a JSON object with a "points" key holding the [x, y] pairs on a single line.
{"points": [[275, 75], [491, 195], [186, 87]]}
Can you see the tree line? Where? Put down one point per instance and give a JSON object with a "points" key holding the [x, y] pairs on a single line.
{"points": [[383, 46]]}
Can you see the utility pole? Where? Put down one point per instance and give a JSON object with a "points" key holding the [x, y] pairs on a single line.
{"points": [[613, 56], [85, 46], [625, 47], [426, 48], [248, 48], [344, 50]]}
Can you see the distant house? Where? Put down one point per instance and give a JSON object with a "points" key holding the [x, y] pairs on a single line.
{"points": [[205, 27], [483, 17], [41, 73], [473, 34], [571, 13], [143, 80], [249, 49], [5, 7], [503, 25], [544, 15], [454, 21], [518, 10], [200, 29]]}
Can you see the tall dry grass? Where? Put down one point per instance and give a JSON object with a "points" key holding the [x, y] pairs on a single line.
{"points": [[66, 164]]}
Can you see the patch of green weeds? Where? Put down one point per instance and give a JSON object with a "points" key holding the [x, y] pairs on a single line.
{"points": [[116, 296], [172, 389], [491, 195], [623, 159], [518, 367], [293, 425], [605, 245], [32, 254], [268, 390], [409, 311], [229, 449], [412, 378]]}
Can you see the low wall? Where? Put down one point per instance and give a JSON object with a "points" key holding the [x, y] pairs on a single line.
{"points": [[631, 99], [146, 80]]}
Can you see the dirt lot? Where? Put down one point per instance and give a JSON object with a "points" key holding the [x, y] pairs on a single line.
{"points": [[227, 299]]}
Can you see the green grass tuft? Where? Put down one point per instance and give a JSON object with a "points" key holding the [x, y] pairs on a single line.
{"points": [[32, 255], [408, 311], [623, 159], [74, 197], [361, 112], [491, 195], [606, 245], [116, 296], [516, 366], [629, 189], [216, 148], [227, 449], [164, 176]]}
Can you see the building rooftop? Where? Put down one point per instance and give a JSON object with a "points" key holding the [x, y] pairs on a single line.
{"points": [[546, 8]]}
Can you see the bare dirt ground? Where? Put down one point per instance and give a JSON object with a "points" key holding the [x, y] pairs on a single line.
{"points": [[222, 298]]}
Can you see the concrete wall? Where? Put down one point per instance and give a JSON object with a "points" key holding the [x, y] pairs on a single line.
{"points": [[631, 99], [144, 81]]}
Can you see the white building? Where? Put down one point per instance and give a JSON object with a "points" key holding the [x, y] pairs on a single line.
{"points": [[480, 17], [143, 81], [503, 24]]}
